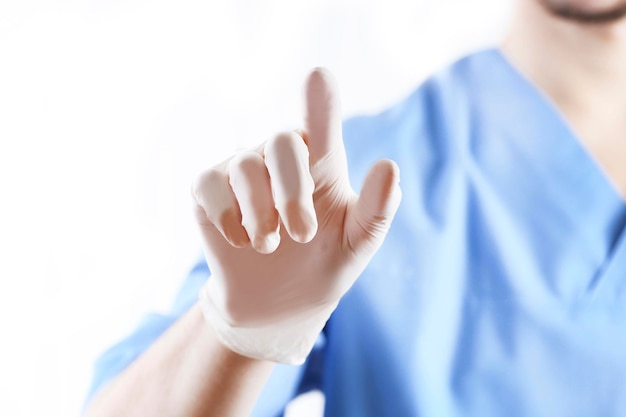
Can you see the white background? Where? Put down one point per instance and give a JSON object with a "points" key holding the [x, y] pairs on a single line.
{"points": [[107, 110]]}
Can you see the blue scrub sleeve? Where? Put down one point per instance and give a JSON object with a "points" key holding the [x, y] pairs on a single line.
{"points": [[284, 384]]}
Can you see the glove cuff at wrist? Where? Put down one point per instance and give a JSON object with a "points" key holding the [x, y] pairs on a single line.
{"points": [[288, 341]]}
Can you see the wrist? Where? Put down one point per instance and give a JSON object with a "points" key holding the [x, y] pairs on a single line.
{"points": [[287, 341], [218, 350]]}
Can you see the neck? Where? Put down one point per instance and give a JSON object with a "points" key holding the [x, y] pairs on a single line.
{"points": [[581, 67]]}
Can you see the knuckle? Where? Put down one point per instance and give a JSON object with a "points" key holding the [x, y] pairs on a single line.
{"points": [[206, 181], [213, 197], [245, 163], [283, 139], [286, 143]]}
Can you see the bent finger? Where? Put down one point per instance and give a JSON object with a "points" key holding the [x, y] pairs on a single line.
{"points": [[216, 206], [250, 183], [287, 161]]}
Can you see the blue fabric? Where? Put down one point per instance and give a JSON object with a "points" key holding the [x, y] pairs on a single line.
{"points": [[501, 288]]}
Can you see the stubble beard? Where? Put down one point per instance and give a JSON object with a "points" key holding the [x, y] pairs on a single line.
{"points": [[580, 15]]}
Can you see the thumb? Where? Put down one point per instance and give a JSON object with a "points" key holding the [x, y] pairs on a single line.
{"points": [[369, 219]]}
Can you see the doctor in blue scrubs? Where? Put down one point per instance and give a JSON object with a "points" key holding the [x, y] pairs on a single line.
{"points": [[499, 289]]}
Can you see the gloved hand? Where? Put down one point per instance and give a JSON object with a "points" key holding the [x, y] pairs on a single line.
{"points": [[285, 236]]}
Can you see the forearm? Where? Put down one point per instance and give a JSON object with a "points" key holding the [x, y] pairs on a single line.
{"points": [[187, 373]]}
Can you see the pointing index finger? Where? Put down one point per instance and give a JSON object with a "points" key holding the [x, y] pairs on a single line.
{"points": [[323, 115]]}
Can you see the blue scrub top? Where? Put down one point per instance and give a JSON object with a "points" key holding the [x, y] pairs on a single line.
{"points": [[501, 287]]}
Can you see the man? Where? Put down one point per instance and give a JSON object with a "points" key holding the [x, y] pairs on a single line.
{"points": [[500, 288]]}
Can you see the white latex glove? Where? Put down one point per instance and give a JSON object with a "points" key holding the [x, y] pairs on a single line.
{"points": [[285, 235]]}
